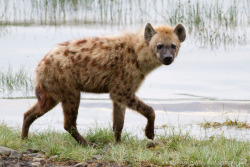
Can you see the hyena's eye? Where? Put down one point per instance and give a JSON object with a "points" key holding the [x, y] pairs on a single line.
{"points": [[173, 46], [159, 46]]}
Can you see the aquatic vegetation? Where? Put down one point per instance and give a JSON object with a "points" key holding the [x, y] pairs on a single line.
{"points": [[15, 80], [210, 23], [228, 123]]}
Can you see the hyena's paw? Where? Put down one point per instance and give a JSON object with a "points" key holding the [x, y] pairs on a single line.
{"points": [[91, 144], [149, 131], [26, 139], [118, 137]]}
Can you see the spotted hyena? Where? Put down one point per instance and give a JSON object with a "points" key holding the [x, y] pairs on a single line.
{"points": [[110, 64]]}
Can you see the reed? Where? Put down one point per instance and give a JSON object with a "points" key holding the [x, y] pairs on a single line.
{"points": [[210, 23], [19, 80]]}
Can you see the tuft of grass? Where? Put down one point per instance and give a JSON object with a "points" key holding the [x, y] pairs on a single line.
{"points": [[207, 124], [100, 136], [229, 123], [172, 148], [236, 123], [19, 80]]}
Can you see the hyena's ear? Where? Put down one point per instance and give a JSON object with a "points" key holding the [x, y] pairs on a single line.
{"points": [[180, 31], [149, 32]]}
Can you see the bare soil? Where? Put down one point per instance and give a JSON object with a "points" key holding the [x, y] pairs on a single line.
{"points": [[27, 161]]}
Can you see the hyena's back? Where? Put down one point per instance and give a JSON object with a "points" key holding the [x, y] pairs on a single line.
{"points": [[95, 65]]}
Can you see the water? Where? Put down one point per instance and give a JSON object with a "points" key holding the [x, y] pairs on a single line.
{"points": [[209, 80], [184, 116]]}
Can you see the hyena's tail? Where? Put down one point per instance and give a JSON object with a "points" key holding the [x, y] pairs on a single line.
{"points": [[42, 96]]}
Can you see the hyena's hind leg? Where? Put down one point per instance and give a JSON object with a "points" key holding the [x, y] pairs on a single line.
{"points": [[33, 113], [70, 110], [118, 120]]}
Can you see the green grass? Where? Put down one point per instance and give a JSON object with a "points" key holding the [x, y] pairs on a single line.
{"points": [[20, 80], [172, 149]]}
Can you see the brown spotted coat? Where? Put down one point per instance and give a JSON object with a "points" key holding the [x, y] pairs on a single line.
{"points": [[113, 64]]}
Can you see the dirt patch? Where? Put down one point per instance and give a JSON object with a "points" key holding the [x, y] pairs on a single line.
{"points": [[27, 161]]}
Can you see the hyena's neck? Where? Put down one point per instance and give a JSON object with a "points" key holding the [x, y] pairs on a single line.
{"points": [[145, 56]]}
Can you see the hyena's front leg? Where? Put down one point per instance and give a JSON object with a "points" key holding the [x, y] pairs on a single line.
{"points": [[70, 110], [136, 104], [118, 119]]}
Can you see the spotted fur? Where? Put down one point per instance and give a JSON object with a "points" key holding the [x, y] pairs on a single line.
{"points": [[111, 64]]}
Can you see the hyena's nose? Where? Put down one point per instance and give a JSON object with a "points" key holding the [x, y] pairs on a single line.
{"points": [[168, 60]]}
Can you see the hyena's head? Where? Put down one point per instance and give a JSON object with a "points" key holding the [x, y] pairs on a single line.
{"points": [[165, 41]]}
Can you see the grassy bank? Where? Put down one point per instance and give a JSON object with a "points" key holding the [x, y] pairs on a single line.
{"points": [[172, 149]]}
